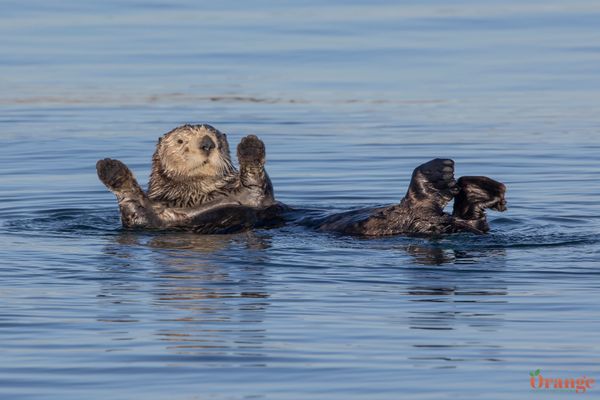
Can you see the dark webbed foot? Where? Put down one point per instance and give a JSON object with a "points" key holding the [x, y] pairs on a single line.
{"points": [[477, 193], [433, 183], [115, 175], [251, 152]]}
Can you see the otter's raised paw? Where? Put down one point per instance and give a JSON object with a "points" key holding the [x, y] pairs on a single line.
{"points": [[115, 175], [251, 151]]}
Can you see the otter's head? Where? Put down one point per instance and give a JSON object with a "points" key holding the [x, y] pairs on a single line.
{"points": [[193, 152]]}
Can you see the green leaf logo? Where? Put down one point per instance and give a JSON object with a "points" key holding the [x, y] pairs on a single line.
{"points": [[537, 372]]}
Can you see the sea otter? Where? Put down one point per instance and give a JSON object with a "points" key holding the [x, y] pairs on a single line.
{"points": [[194, 186]]}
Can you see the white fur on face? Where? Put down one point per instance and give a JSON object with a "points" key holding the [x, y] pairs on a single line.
{"points": [[182, 157]]}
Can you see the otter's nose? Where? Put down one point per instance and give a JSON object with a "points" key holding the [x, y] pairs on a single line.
{"points": [[207, 144]]}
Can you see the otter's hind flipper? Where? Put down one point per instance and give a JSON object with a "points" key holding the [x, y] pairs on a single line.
{"points": [[476, 194], [253, 176], [136, 208], [432, 185]]}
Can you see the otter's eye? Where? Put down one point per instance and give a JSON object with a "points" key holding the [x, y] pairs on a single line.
{"points": [[180, 141]]}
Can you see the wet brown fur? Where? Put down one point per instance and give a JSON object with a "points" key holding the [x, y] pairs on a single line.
{"points": [[194, 185]]}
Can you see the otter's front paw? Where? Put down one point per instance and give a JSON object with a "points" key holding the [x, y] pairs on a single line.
{"points": [[251, 151], [115, 175]]}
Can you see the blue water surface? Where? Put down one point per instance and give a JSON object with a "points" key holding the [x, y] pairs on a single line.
{"points": [[349, 97]]}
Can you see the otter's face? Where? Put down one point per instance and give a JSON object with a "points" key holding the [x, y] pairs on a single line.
{"points": [[194, 151]]}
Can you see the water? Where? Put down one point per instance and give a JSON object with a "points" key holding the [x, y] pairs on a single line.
{"points": [[348, 99]]}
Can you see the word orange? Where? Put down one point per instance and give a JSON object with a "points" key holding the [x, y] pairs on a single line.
{"points": [[579, 385]]}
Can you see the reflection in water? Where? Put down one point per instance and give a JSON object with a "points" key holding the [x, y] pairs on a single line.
{"points": [[213, 310], [209, 243], [426, 255], [194, 242], [433, 255], [453, 297]]}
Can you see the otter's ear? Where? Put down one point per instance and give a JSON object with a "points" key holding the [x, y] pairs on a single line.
{"points": [[159, 140]]}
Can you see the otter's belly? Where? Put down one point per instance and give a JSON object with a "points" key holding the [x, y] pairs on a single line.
{"points": [[236, 218]]}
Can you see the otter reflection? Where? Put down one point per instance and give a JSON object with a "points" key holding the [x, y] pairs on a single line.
{"points": [[211, 311], [458, 290], [248, 240], [430, 255], [215, 310]]}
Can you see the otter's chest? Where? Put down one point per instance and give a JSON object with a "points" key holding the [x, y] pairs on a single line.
{"points": [[193, 195]]}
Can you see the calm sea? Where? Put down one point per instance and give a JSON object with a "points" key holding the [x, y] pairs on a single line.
{"points": [[349, 97]]}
